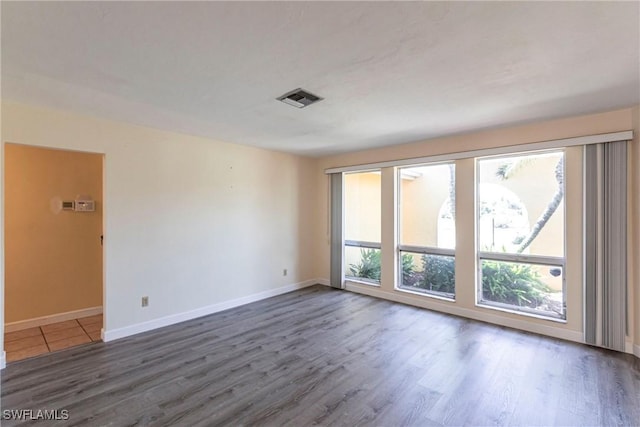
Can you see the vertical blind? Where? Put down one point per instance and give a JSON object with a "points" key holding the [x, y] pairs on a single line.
{"points": [[605, 235], [337, 247]]}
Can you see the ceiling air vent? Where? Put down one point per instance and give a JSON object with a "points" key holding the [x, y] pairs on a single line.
{"points": [[299, 98]]}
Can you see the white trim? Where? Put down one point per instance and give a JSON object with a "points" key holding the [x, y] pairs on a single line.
{"points": [[636, 350], [114, 334], [431, 294], [363, 244], [506, 308], [628, 345], [3, 360], [552, 331], [356, 281], [551, 261], [324, 282], [533, 146], [427, 250], [52, 318]]}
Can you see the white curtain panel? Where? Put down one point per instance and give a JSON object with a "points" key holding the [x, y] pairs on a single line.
{"points": [[605, 235], [337, 244]]}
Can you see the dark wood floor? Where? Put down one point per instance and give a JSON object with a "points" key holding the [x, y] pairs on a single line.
{"points": [[325, 357]]}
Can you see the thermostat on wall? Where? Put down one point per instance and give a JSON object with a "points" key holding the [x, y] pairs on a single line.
{"points": [[84, 204]]}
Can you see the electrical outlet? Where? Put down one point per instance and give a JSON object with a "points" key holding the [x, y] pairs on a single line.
{"points": [[145, 301], [284, 272]]}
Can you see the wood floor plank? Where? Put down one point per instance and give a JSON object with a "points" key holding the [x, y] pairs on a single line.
{"points": [[319, 356]]}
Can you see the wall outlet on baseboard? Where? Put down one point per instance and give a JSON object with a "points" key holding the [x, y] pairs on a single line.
{"points": [[284, 272], [145, 301]]}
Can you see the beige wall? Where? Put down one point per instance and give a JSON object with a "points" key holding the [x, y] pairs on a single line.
{"points": [[362, 206], [535, 184], [193, 223], [362, 213], [53, 258], [612, 121], [423, 198]]}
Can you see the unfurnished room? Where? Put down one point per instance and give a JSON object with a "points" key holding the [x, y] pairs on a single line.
{"points": [[320, 213]]}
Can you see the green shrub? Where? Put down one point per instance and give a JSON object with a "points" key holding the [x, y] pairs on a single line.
{"points": [[369, 265], [408, 270], [512, 283], [507, 283], [438, 274]]}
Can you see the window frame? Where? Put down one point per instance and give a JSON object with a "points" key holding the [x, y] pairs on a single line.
{"points": [[551, 261], [417, 249]]}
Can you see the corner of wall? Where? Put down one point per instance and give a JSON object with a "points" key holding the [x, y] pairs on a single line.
{"points": [[324, 282]]}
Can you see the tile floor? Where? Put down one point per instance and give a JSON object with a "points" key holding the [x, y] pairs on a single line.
{"points": [[56, 336]]}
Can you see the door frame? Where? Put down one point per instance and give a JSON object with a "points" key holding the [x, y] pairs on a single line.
{"points": [[3, 359]]}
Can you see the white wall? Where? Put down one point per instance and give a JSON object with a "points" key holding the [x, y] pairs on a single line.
{"points": [[189, 222]]}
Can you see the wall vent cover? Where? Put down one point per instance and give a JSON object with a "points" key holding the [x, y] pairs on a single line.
{"points": [[299, 98]]}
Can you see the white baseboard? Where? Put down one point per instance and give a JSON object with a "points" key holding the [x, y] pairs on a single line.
{"points": [[114, 334], [324, 282], [636, 350], [3, 360], [53, 318], [524, 325], [628, 346]]}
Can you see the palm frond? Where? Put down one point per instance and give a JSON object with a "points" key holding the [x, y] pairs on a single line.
{"points": [[510, 167]]}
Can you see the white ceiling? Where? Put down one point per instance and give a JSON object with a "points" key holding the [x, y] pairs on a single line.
{"points": [[390, 72]]}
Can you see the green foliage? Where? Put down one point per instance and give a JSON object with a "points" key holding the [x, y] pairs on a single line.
{"points": [[511, 166], [511, 283], [407, 267], [369, 265], [518, 239], [503, 282], [438, 273], [507, 283]]}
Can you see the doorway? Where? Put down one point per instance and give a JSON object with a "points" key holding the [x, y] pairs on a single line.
{"points": [[53, 222]]}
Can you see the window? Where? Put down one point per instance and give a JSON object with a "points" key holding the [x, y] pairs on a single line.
{"points": [[520, 223], [362, 226], [427, 229]]}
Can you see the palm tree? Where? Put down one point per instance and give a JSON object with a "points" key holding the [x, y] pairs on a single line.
{"points": [[508, 169]]}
